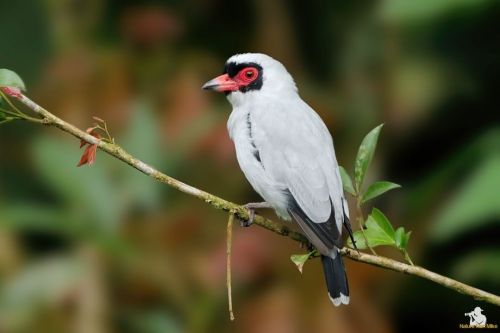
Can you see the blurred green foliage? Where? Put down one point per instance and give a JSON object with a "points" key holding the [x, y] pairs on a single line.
{"points": [[478, 266], [423, 11], [35, 289], [476, 202]]}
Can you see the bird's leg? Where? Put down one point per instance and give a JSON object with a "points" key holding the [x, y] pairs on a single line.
{"points": [[307, 246], [251, 207]]}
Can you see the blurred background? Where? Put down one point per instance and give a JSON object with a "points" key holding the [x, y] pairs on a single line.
{"points": [[106, 249]]}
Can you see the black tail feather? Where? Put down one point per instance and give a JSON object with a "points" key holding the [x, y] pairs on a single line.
{"points": [[336, 279]]}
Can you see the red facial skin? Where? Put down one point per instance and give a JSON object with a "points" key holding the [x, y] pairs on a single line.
{"points": [[224, 83]]}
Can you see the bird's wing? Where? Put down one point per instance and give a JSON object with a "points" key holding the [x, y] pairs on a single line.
{"points": [[297, 150]]}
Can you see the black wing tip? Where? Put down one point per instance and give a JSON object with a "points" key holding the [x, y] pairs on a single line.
{"points": [[347, 226], [326, 231]]}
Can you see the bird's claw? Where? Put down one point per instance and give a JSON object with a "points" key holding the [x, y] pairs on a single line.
{"points": [[251, 207], [251, 217], [307, 246]]}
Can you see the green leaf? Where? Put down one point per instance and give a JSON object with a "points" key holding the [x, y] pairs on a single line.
{"points": [[9, 78], [378, 188], [365, 155], [402, 238], [300, 259], [406, 240], [382, 222], [399, 236], [346, 181], [359, 239], [378, 232]]}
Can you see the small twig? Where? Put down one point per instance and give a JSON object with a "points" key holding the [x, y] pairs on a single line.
{"points": [[7, 120], [407, 257], [9, 112], [360, 218], [219, 203], [401, 267], [229, 241], [104, 129], [17, 113]]}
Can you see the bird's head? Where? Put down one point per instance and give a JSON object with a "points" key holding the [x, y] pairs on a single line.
{"points": [[252, 75]]}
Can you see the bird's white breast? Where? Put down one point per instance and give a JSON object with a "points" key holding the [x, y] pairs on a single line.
{"points": [[245, 135]]}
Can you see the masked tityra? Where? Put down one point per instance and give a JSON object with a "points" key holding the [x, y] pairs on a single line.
{"points": [[287, 155]]}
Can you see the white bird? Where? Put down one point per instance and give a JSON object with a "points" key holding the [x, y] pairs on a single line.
{"points": [[286, 152]]}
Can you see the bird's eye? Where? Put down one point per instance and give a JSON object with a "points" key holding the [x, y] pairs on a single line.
{"points": [[248, 75]]}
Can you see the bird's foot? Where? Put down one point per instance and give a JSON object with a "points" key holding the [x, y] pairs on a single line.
{"points": [[251, 207], [307, 246]]}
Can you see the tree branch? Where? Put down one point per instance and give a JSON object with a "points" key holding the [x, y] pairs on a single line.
{"points": [[219, 203]]}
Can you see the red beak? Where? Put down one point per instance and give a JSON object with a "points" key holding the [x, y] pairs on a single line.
{"points": [[221, 84]]}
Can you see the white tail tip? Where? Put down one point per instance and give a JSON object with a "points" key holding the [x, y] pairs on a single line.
{"points": [[342, 299]]}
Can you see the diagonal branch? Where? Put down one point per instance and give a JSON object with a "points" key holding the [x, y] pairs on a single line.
{"points": [[219, 203]]}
